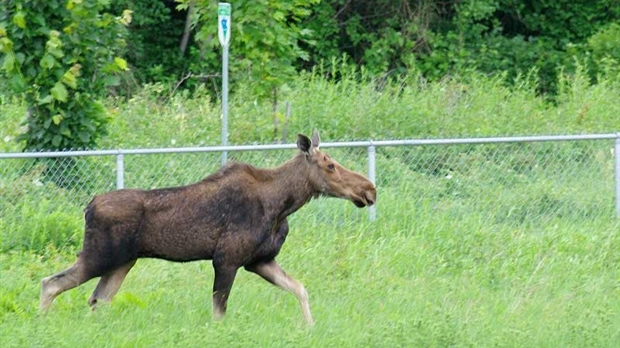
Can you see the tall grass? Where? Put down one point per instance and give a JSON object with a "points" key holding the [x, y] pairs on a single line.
{"points": [[465, 252], [355, 107], [438, 281], [495, 245]]}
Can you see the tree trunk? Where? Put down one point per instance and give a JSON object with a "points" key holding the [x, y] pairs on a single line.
{"points": [[187, 30]]}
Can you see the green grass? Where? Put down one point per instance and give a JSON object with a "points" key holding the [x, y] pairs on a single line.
{"points": [[440, 282], [472, 106], [474, 246]]}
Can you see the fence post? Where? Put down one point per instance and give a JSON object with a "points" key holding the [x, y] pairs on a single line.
{"points": [[617, 173], [120, 171], [371, 176]]}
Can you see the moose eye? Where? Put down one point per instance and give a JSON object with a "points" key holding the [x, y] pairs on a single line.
{"points": [[331, 166]]}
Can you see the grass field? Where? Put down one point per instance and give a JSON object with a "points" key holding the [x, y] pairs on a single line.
{"points": [[441, 269], [441, 282], [474, 246]]}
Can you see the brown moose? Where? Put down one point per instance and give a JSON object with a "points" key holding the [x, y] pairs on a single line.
{"points": [[236, 217]]}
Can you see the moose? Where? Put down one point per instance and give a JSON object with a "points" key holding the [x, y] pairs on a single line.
{"points": [[236, 217]]}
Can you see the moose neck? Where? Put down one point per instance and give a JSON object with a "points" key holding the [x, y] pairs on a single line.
{"points": [[290, 187]]}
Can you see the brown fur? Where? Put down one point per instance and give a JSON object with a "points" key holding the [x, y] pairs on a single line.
{"points": [[236, 217]]}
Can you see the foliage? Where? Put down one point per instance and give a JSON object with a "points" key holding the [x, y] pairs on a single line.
{"points": [[381, 35], [274, 40], [62, 55], [410, 107], [264, 42], [606, 43], [601, 53], [153, 40], [454, 37], [358, 108]]}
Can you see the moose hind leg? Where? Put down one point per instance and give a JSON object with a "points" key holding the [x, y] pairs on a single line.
{"points": [[56, 284], [273, 273], [109, 284]]}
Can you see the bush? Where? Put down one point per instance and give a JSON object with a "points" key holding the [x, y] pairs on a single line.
{"points": [[62, 56]]}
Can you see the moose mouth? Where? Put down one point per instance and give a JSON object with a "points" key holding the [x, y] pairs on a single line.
{"points": [[365, 200], [358, 203]]}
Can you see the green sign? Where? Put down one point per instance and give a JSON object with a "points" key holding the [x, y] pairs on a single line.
{"points": [[223, 22], [223, 9]]}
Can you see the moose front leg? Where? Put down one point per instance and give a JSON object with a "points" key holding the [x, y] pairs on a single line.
{"points": [[273, 273], [224, 279]]}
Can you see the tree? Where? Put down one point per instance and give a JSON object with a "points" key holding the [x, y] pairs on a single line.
{"points": [[265, 41], [439, 38], [154, 36], [62, 55]]}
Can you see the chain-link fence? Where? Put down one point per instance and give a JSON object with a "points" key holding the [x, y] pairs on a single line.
{"points": [[503, 181]]}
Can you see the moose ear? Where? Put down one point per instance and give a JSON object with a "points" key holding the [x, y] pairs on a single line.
{"points": [[304, 144], [316, 139]]}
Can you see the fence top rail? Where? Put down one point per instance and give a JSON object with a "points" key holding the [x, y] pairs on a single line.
{"points": [[367, 143]]}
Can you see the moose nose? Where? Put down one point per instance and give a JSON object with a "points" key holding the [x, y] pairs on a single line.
{"points": [[371, 196]]}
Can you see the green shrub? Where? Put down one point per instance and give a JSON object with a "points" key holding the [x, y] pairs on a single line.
{"points": [[62, 56], [35, 223]]}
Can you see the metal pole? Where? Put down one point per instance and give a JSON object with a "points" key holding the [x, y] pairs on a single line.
{"points": [[371, 177], [224, 27], [617, 171], [224, 102], [120, 171]]}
